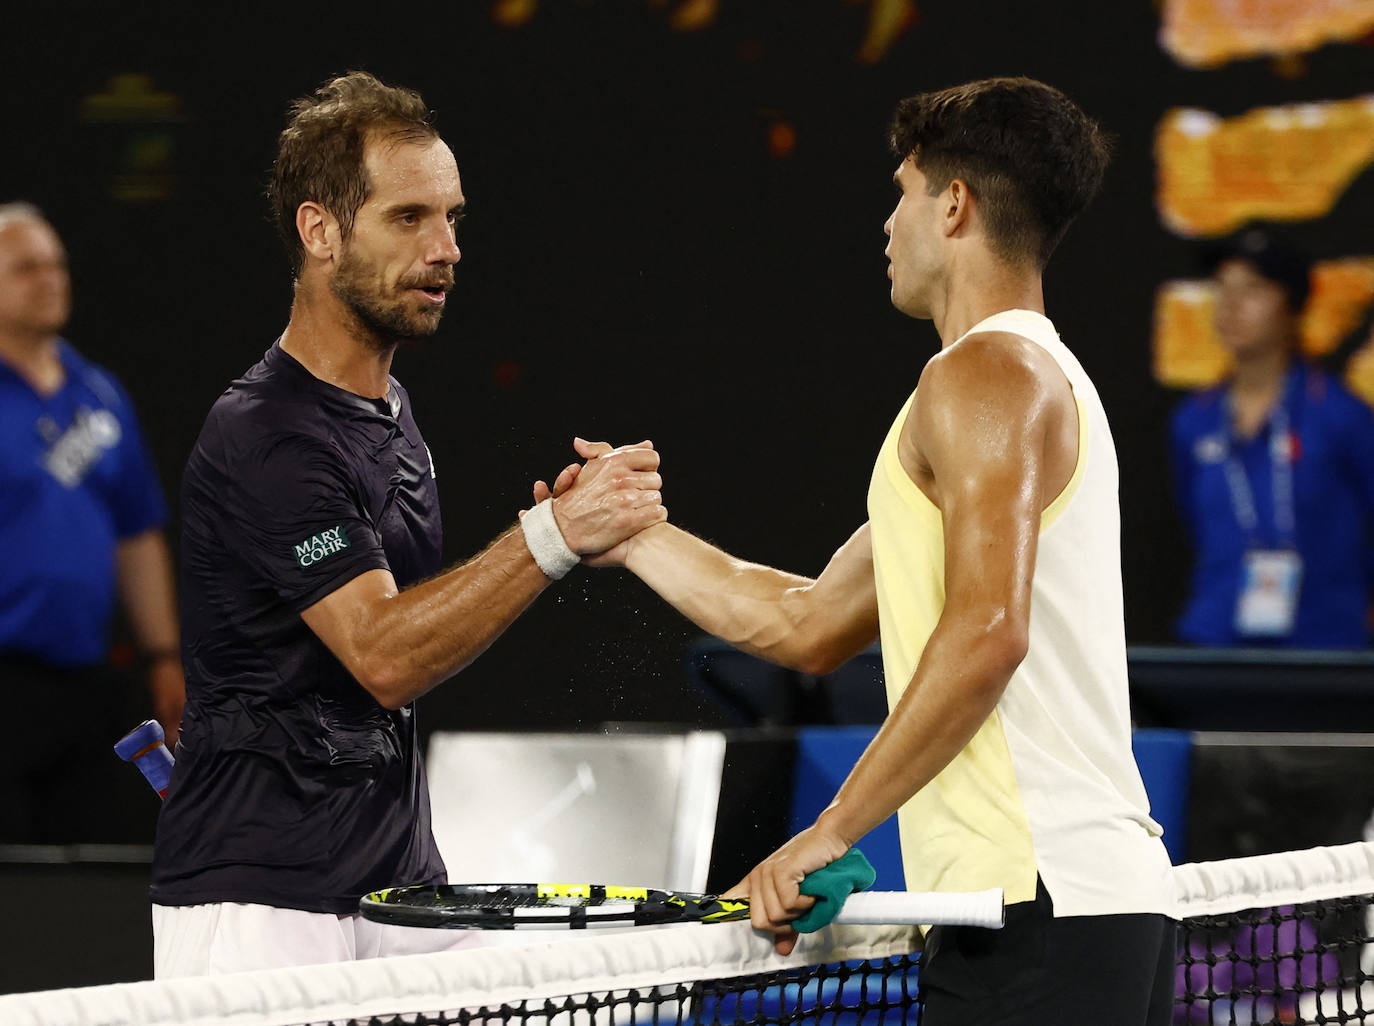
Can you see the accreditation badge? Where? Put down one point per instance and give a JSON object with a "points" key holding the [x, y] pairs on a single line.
{"points": [[1268, 603]]}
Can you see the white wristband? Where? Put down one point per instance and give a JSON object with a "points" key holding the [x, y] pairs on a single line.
{"points": [[546, 542]]}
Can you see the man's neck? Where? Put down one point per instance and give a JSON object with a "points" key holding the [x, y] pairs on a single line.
{"points": [[1256, 387], [1261, 373], [987, 287], [35, 358], [326, 339]]}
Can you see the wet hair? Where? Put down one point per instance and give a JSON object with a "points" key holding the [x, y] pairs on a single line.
{"points": [[1032, 159], [320, 152]]}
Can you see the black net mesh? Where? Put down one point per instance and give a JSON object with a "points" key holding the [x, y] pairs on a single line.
{"points": [[1309, 963], [873, 992]]}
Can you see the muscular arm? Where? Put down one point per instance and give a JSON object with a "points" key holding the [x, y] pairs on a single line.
{"points": [[809, 625], [984, 440], [143, 569], [400, 644]]}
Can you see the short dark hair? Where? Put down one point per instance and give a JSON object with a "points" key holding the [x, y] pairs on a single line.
{"points": [[320, 152], [1031, 157]]}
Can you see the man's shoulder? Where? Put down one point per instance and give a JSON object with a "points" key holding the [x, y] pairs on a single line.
{"points": [[997, 347], [1328, 394], [255, 432], [265, 402], [85, 373], [1200, 410], [1009, 361]]}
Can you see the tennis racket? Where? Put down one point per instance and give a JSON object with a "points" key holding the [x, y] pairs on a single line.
{"points": [[584, 906]]}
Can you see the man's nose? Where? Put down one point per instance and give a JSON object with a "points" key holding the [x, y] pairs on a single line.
{"points": [[445, 249]]}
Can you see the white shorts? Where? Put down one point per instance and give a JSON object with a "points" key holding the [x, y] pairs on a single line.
{"points": [[229, 937]]}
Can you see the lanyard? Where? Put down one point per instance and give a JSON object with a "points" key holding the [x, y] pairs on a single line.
{"points": [[1281, 475]]}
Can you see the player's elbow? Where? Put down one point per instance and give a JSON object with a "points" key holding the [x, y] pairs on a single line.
{"points": [[820, 658], [1004, 646], [796, 647], [387, 679]]}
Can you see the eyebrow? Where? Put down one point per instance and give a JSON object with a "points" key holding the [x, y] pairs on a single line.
{"points": [[399, 209]]}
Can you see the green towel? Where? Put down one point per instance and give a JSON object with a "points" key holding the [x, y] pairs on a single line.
{"points": [[830, 885]]}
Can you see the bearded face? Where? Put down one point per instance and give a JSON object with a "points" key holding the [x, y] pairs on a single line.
{"points": [[395, 267], [392, 311]]}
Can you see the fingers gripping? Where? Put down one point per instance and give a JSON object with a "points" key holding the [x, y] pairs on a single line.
{"points": [[615, 495]]}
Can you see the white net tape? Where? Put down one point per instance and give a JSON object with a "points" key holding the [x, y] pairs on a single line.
{"points": [[609, 961], [468, 978], [1288, 878]]}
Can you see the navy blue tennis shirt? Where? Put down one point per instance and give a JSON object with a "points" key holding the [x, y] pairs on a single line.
{"points": [[293, 787], [76, 479]]}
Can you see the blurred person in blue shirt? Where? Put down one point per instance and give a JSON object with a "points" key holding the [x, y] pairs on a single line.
{"points": [[81, 517], [1273, 471]]}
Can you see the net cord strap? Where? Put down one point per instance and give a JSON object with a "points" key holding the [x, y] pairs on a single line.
{"points": [[1288, 878]]}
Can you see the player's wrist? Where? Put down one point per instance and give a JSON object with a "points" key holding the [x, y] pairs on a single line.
{"points": [[546, 542], [831, 825]]}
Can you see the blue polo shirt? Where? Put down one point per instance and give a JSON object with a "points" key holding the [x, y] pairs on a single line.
{"points": [[75, 478], [1333, 492]]}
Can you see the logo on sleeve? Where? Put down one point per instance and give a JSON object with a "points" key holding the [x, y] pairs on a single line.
{"points": [[321, 546]]}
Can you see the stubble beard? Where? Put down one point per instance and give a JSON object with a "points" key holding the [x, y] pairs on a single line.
{"points": [[384, 322]]}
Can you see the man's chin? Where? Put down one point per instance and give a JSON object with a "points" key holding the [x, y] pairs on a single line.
{"points": [[47, 325], [908, 306], [393, 330], [419, 334], [427, 325]]}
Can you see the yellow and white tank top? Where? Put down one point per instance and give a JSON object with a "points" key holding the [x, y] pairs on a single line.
{"points": [[1049, 784]]}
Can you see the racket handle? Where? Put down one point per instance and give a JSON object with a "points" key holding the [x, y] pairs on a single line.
{"points": [[143, 746], [903, 908]]}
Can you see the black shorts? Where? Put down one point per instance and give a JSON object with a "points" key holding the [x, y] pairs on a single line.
{"points": [[1039, 970]]}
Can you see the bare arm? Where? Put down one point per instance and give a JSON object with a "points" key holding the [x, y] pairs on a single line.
{"points": [[400, 644], [808, 624], [982, 453], [143, 570]]}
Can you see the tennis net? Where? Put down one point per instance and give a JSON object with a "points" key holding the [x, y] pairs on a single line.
{"points": [[1271, 939]]}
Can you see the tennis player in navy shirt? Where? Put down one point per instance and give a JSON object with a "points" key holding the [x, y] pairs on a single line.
{"points": [[314, 611]]}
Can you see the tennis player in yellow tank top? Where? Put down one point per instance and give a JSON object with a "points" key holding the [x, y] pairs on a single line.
{"points": [[991, 565]]}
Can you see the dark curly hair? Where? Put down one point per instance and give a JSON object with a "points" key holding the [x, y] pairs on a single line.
{"points": [[320, 152], [1032, 159]]}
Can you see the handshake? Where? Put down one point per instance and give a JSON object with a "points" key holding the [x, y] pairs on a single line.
{"points": [[593, 510]]}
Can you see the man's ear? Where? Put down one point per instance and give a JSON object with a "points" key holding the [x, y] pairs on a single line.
{"points": [[959, 206], [319, 231]]}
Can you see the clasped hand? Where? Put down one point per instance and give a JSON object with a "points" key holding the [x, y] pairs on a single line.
{"points": [[610, 498]]}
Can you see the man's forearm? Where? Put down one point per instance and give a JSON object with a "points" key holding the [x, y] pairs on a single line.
{"points": [[754, 607], [144, 572], [416, 638], [961, 676], [400, 644]]}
